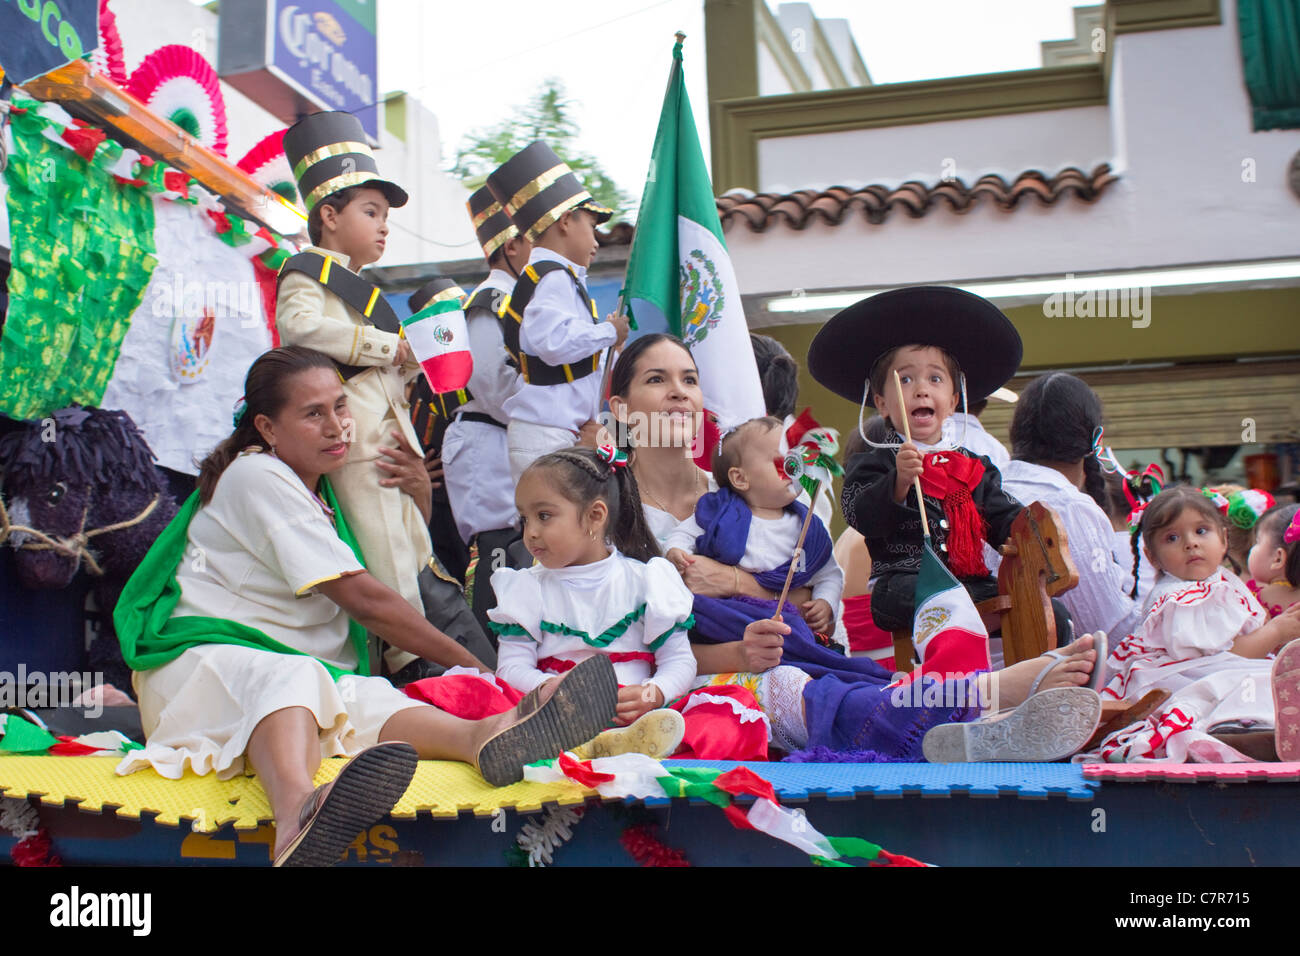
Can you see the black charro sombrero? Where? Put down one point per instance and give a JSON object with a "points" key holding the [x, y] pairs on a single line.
{"points": [[969, 328], [491, 224], [435, 290], [328, 152], [535, 188]]}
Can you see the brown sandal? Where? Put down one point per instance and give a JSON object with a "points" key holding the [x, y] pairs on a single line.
{"points": [[365, 789]]}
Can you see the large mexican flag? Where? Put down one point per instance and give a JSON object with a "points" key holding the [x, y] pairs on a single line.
{"points": [[679, 274]]}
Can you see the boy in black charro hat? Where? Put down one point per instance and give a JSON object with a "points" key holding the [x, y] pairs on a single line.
{"points": [[323, 304], [552, 331], [948, 346]]}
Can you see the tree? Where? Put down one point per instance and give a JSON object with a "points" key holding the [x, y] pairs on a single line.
{"points": [[546, 117]]}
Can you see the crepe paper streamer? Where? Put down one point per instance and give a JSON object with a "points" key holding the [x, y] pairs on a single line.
{"points": [[635, 776], [20, 819], [21, 736], [175, 81], [440, 340]]}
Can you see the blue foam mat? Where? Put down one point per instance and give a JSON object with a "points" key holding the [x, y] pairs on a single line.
{"points": [[845, 781]]}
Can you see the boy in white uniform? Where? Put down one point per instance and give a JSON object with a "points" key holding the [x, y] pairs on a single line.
{"points": [[556, 339]]}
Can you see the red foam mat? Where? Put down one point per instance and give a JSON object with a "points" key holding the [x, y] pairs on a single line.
{"points": [[1192, 772]]}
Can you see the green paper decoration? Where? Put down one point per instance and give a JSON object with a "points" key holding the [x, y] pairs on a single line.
{"points": [[82, 254]]}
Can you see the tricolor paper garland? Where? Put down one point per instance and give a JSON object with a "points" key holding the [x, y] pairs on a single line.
{"points": [[635, 776], [175, 81]]}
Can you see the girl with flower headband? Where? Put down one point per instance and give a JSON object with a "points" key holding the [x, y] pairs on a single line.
{"points": [[1205, 639], [1274, 561]]}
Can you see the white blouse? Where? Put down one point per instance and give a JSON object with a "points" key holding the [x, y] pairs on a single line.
{"points": [[256, 552], [614, 606]]}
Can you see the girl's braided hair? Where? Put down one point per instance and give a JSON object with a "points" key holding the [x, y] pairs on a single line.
{"points": [[582, 476]]}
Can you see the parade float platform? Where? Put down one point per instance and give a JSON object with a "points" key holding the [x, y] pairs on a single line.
{"points": [[944, 814]]}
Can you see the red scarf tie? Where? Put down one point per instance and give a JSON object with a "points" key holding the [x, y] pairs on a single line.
{"points": [[951, 476]]}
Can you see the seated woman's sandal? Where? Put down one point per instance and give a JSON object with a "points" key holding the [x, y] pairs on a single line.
{"points": [[365, 789]]}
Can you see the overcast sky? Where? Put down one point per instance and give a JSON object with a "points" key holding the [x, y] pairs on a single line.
{"points": [[613, 57]]}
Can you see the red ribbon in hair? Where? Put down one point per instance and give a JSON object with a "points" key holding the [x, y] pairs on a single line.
{"points": [[951, 477]]}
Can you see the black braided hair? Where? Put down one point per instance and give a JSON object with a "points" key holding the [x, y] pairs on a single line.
{"points": [[1136, 536], [582, 476]]}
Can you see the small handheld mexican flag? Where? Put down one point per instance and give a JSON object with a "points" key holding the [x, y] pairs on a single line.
{"points": [[440, 340], [947, 631]]}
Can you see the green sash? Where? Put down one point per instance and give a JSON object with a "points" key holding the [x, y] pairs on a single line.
{"points": [[151, 637]]}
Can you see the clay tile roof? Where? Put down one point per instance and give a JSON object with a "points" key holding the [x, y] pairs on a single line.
{"points": [[915, 199]]}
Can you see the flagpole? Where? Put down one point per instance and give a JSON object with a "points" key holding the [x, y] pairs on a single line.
{"points": [[798, 550], [907, 433], [609, 353]]}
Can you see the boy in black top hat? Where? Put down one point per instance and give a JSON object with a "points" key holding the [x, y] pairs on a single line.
{"points": [[949, 347], [555, 337]]}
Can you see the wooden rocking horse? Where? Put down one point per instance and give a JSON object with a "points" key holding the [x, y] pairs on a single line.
{"points": [[1036, 567]]}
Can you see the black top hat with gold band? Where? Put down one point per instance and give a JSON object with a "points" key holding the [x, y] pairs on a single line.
{"points": [[536, 187], [329, 152], [434, 289], [491, 224]]}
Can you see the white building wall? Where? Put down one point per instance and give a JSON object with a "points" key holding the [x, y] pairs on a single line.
{"points": [[966, 149], [1177, 130]]}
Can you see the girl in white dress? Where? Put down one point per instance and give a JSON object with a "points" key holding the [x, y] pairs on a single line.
{"points": [[246, 626], [1204, 638], [598, 588]]}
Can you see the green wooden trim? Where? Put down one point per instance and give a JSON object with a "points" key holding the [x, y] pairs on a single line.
{"points": [[1140, 16], [738, 124], [772, 37], [731, 63]]}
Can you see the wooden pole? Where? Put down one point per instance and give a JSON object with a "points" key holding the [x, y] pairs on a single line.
{"points": [[798, 550], [907, 433]]}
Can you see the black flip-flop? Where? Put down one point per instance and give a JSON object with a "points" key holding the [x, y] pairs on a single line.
{"points": [[582, 706], [365, 789]]}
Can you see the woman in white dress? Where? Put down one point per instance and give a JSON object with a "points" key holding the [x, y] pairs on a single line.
{"points": [[237, 624]]}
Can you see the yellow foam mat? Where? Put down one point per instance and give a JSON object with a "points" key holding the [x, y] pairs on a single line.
{"points": [[441, 788]]}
